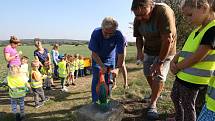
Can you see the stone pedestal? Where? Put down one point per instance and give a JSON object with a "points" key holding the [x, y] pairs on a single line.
{"points": [[91, 112]]}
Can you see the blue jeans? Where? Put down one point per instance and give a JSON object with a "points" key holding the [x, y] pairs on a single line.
{"points": [[206, 115], [81, 72], [55, 70], [76, 74], [95, 79], [14, 102]]}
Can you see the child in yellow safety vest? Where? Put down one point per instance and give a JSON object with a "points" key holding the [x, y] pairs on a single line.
{"points": [[18, 87], [76, 64], [47, 70], [71, 70], [37, 84], [81, 66], [194, 65], [62, 71]]}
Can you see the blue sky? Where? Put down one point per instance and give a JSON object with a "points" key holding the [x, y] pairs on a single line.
{"points": [[61, 19]]}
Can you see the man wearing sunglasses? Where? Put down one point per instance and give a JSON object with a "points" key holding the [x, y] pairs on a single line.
{"points": [[104, 43], [155, 22]]}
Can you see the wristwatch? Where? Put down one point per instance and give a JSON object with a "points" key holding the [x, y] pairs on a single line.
{"points": [[160, 61]]}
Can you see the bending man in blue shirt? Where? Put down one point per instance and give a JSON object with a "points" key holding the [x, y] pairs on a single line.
{"points": [[105, 42]]}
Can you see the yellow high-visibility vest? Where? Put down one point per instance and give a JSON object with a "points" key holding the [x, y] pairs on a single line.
{"points": [[71, 67], [76, 64], [36, 83], [81, 64], [201, 72], [17, 86], [62, 69], [48, 72]]}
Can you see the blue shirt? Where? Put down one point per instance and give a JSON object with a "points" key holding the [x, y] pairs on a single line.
{"points": [[106, 48], [42, 56]]}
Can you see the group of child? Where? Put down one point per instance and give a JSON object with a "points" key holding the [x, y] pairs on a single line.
{"points": [[70, 68], [20, 81]]}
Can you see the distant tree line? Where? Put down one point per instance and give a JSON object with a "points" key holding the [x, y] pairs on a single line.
{"points": [[30, 42]]}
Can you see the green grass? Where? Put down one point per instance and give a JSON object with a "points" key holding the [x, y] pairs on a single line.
{"points": [[62, 105]]}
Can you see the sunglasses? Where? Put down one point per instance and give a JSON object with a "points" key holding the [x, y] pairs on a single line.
{"points": [[108, 33]]}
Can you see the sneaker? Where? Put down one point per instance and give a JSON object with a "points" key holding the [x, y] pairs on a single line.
{"points": [[67, 84], [64, 89], [22, 116], [46, 100], [17, 117], [53, 86], [39, 105], [48, 88], [73, 84]]}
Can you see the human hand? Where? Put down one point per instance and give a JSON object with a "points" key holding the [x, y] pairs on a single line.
{"points": [[115, 72], [17, 55], [156, 69], [138, 62], [44, 76], [20, 52], [173, 68], [30, 91], [103, 69]]}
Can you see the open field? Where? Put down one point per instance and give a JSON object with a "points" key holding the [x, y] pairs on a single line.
{"points": [[62, 104]]}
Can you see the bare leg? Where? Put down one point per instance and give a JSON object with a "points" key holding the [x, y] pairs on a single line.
{"points": [[157, 87], [124, 74], [114, 83], [149, 80]]}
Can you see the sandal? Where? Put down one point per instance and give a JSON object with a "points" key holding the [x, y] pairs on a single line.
{"points": [[152, 113]]}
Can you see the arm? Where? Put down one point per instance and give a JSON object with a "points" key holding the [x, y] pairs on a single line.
{"points": [[140, 48], [94, 47], [120, 60], [36, 58], [8, 57], [120, 50], [49, 57], [98, 61], [196, 57], [175, 59], [173, 63], [139, 39], [167, 41], [36, 77], [54, 57]]}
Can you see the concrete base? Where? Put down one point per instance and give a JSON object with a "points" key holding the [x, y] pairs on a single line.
{"points": [[91, 112]]}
